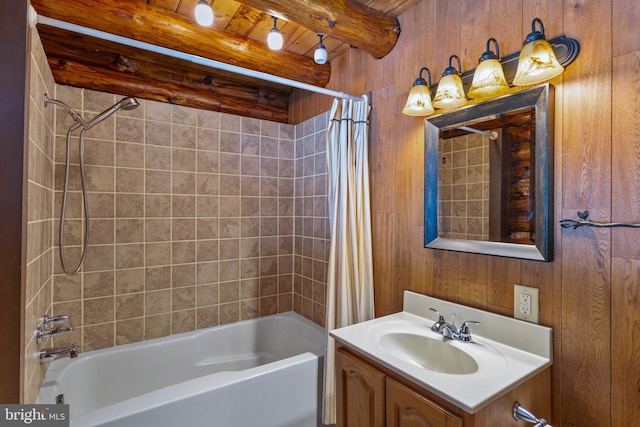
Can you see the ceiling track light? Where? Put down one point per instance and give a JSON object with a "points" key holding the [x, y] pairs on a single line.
{"points": [[320, 55], [204, 13], [274, 39]]}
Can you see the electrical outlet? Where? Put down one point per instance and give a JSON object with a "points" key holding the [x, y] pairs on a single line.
{"points": [[526, 305]]}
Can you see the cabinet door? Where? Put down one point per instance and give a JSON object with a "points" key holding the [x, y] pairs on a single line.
{"points": [[406, 408], [360, 400]]}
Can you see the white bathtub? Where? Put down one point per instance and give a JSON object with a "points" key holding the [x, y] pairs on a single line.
{"points": [[255, 373]]}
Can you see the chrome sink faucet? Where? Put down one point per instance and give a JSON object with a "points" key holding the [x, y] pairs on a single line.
{"points": [[450, 330]]}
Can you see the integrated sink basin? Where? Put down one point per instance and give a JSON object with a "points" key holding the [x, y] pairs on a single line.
{"points": [[435, 355], [502, 354]]}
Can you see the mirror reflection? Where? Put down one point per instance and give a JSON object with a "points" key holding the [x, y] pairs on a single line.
{"points": [[487, 177]]}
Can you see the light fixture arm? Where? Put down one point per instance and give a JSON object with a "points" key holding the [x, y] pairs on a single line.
{"points": [[451, 69], [489, 54], [420, 80], [535, 35]]}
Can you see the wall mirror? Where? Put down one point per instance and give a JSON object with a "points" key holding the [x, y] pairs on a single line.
{"points": [[489, 177]]}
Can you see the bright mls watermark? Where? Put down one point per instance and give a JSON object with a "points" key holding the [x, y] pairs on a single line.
{"points": [[34, 415]]}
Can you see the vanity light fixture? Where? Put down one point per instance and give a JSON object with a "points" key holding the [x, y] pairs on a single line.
{"points": [[537, 62], [320, 55], [204, 13], [419, 100], [450, 92], [274, 39], [533, 65], [488, 79]]}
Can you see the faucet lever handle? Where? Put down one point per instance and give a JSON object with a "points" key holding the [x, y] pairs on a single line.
{"points": [[438, 323], [465, 335], [441, 318]]}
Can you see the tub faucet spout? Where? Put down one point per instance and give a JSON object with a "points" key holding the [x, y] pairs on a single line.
{"points": [[47, 355]]}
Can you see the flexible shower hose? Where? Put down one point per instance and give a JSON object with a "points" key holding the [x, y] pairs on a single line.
{"points": [[63, 210]]}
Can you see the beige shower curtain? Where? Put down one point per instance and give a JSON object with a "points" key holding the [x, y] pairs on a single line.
{"points": [[350, 270]]}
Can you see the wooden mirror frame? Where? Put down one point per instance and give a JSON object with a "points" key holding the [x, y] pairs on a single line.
{"points": [[541, 99]]}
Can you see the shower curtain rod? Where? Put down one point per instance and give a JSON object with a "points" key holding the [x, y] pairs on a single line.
{"points": [[35, 18]]}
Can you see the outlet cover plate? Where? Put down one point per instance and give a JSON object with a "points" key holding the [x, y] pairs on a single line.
{"points": [[534, 293]]}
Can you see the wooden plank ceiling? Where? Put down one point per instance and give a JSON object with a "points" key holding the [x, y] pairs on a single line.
{"points": [[237, 36]]}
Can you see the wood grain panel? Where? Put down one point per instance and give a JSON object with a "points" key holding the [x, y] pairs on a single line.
{"points": [[586, 325], [474, 32], [406, 408], [625, 339], [472, 290], [626, 15], [587, 125], [363, 388], [447, 34], [13, 33], [504, 27], [626, 155]]}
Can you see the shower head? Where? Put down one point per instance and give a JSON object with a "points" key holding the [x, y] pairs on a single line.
{"points": [[125, 103], [129, 103]]}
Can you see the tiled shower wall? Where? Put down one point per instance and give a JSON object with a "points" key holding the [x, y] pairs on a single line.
{"points": [[192, 221], [39, 209], [464, 187], [311, 219]]}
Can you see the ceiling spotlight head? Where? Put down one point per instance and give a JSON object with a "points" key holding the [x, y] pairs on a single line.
{"points": [[204, 13], [274, 39], [320, 55]]}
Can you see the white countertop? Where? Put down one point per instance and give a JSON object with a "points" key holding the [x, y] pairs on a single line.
{"points": [[508, 351]]}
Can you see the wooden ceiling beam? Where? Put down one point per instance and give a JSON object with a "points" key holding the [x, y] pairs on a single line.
{"points": [[345, 20], [71, 73], [139, 21]]}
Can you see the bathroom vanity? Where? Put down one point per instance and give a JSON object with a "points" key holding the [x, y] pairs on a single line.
{"points": [[395, 371]]}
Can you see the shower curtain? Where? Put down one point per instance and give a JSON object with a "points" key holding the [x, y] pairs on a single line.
{"points": [[350, 270]]}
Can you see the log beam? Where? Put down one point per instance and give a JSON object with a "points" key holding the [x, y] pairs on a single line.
{"points": [[139, 21], [344, 20], [155, 67], [69, 72]]}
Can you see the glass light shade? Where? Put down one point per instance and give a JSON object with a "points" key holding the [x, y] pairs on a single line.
{"points": [[320, 55], [274, 39], [537, 63], [204, 14], [488, 80], [418, 102], [450, 93]]}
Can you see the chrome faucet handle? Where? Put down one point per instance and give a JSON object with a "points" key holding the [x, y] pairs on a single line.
{"points": [[439, 323], [465, 334], [46, 320], [47, 329]]}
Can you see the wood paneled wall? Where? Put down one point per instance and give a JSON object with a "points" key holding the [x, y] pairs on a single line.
{"points": [[590, 293], [13, 129]]}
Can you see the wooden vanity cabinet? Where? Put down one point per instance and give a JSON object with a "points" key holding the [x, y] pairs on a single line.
{"points": [[360, 393], [369, 395]]}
